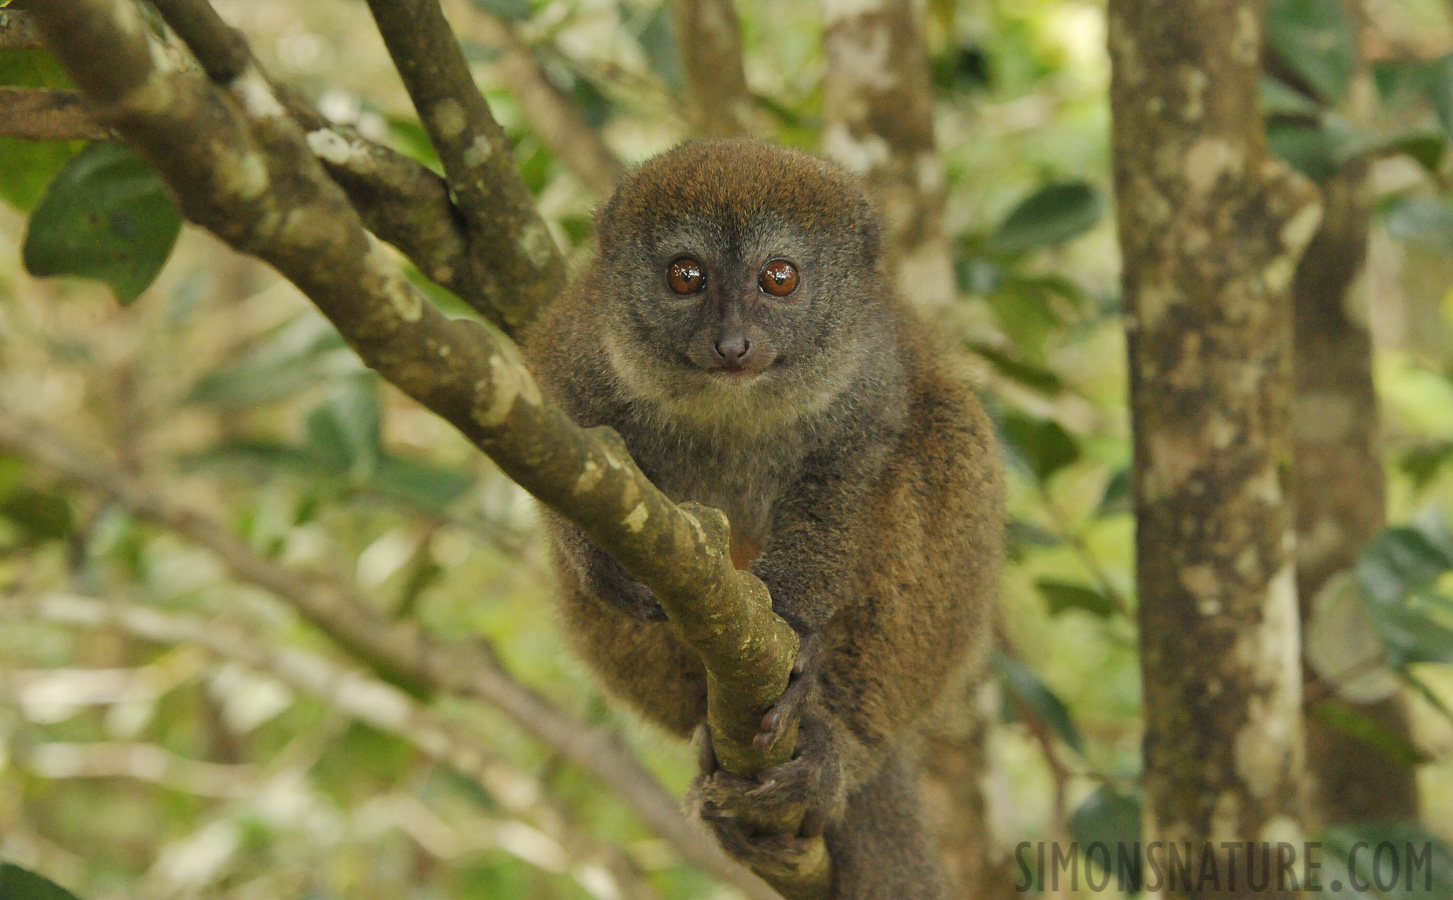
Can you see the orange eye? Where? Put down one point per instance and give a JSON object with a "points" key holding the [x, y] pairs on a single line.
{"points": [[685, 276], [779, 278]]}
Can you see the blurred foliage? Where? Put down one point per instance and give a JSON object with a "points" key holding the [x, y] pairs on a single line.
{"points": [[133, 769]]}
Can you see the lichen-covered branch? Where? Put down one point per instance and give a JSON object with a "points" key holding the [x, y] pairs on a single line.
{"points": [[18, 31], [240, 166], [1211, 229], [878, 120], [357, 695], [399, 199], [38, 114], [514, 258], [709, 38], [554, 118]]}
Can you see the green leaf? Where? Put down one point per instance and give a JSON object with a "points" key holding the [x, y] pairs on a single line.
{"points": [[658, 41], [415, 484], [1052, 215], [22, 884], [1318, 40], [106, 216], [1116, 501], [1025, 312], [512, 10], [42, 516], [962, 67], [1424, 148], [1423, 463], [1440, 90], [1422, 689], [1063, 595], [1399, 562], [1027, 374], [346, 428], [421, 485], [1020, 535], [1427, 221], [440, 296], [1112, 818], [1033, 698], [1347, 719], [1402, 82], [1412, 635], [1307, 147], [298, 355], [410, 138], [1040, 445], [1281, 99], [1363, 857], [1319, 149], [30, 165]]}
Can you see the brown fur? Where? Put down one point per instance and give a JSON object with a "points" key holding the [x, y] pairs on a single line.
{"points": [[860, 474]]}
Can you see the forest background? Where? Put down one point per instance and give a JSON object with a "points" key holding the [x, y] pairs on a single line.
{"points": [[172, 730]]}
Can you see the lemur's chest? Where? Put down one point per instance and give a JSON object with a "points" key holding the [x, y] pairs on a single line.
{"points": [[743, 481]]}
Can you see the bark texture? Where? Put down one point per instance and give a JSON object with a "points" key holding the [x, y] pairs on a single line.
{"points": [[1341, 497], [18, 31], [709, 36], [878, 121], [1211, 229], [959, 771], [38, 114]]}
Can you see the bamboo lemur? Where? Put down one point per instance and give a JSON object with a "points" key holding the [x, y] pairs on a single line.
{"points": [[740, 332]]}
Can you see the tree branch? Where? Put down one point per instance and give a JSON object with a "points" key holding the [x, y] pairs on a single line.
{"points": [[18, 31], [401, 653], [220, 49], [709, 38], [399, 200], [515, 259], [551, 114], [38, 114], [380, 705]]}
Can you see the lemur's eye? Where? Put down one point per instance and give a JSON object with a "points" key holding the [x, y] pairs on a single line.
{"points": [[779, 278], [685, 276]]}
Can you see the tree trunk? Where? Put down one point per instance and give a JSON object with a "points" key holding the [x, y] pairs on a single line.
{"points": [[1340, 497], [878, 121], [1211, 229]]}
